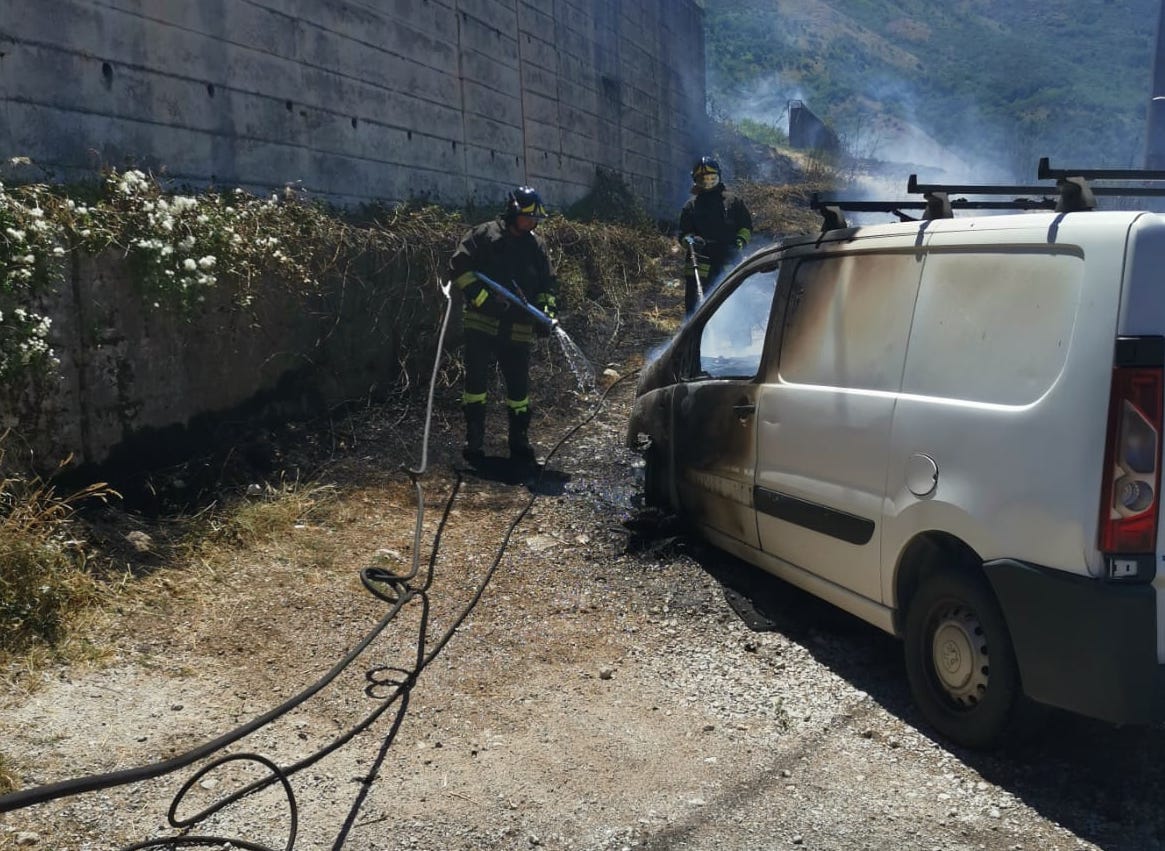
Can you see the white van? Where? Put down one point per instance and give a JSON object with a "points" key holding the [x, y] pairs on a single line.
{"points": [[952, 429]]}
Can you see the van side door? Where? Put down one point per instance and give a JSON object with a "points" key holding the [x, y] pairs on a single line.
{"points": [[715, 407], [825, 407]]}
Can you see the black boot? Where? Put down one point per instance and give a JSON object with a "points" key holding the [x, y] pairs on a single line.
{"points": [[520, 449], [474, 432]]}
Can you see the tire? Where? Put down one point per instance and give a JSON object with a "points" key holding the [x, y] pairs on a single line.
{"points": [[960, 661]]}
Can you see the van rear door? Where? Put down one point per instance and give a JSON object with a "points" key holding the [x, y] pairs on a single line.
{"points": [[825, 408]]}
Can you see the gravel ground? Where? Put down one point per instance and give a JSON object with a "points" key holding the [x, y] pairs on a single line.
{"points": [[618, 686]]}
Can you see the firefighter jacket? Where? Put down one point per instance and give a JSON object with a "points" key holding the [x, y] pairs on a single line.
{"points": [[518, 263], [721, 219]]}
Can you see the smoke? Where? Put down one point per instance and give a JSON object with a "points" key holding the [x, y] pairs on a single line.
{"points": [[765, 100], [899, 141], [884, 146]]}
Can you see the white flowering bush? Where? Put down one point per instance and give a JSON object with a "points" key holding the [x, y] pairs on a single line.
{"points": [[183, 245], [179, 246], [30, 252]]}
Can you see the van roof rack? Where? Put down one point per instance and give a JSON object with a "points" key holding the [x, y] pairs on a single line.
{"points": [[1046, 172], [937, 205], [1073, 192]]}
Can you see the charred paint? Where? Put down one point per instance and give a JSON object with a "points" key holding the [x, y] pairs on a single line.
{"points": [[719, 502], [715, 454], [650, 418], [848, 318], [709, 432], [649, 431]]}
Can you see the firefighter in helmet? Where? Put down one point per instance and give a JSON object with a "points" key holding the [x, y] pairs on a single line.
{"points": [[715, 224], [509, 252]]}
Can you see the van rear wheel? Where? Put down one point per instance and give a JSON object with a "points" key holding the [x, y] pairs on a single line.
{"points": [[960, 661]]}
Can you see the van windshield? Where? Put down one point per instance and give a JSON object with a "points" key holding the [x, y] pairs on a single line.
{"points": [[732, 339]]}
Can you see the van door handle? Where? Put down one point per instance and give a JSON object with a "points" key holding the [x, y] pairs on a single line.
{"points": [[744, 409]]}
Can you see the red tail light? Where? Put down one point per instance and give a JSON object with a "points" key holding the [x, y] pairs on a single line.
{"points": [[1132, 462]]}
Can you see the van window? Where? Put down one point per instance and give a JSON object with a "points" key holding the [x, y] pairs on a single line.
{"points": [[733, 338], [993, 326], [848, 320]]}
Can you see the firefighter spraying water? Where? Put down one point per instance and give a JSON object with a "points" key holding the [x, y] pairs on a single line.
{"points": [[504, 272]]}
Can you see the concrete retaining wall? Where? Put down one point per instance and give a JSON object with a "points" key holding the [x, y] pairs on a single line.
{"points": [[141, 386], [361, 100]]}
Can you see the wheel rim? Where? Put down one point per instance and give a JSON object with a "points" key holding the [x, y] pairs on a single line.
{"points": [[959, 656]]}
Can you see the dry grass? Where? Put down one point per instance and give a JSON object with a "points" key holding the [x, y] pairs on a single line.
{"points": [[8, 780], [44, 581], [663, 323], [61, 601], [782, 210], [57, 576], [45, 577], [260, 515], [199, 554], [251, 522]]}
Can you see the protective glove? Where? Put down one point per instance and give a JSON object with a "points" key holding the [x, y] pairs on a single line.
{"points": [[545, 303], [740, 243]]}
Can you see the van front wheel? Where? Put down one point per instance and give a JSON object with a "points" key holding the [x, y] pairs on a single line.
{"points": [[654, 481], [960, 661]]}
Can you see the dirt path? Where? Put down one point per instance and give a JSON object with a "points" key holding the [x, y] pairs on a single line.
{"points": [[604, 694]]}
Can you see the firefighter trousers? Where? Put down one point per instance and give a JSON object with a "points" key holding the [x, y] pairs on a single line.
{"points": [[513, 359]]}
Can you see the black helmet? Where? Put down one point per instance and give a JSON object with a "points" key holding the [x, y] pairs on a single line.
{"points": [[525, 201], [705, 165]]}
